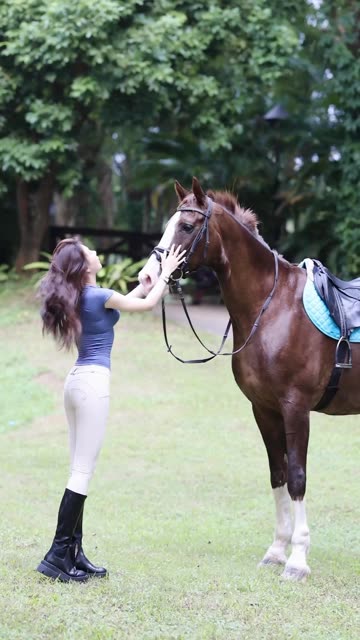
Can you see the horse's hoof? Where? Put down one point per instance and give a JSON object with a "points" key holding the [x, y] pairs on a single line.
{"points": [[296, 574], [272, 561]]}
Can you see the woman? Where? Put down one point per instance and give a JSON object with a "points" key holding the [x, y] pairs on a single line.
{"points": [[76, 311]]}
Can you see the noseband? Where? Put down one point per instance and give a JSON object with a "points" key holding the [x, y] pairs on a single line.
{"points": [[184, 271]]}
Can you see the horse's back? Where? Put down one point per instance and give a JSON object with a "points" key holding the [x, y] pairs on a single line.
{"points": [[289, 357]]}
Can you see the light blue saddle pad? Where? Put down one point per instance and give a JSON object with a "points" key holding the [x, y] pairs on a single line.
{"points": [[320, 316]]}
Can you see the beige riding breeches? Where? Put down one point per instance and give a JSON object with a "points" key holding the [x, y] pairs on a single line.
{"points": [[86, 400]]}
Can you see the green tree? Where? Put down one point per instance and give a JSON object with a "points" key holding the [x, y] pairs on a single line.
{"points": [[72, 71], [340, 44], [51, 93], [324, 212]]}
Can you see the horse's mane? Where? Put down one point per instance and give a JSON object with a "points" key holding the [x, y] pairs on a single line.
{"points": [[230, 202]]}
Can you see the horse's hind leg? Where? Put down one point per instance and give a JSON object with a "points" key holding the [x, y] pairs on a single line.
{"points": [[272, 430], [297, 437]]}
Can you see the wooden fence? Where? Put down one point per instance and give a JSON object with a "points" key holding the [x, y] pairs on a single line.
{"points": [[201, 286], [131, 244]]}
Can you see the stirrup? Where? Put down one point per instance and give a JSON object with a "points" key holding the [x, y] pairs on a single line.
{"points": [[343, 359]]}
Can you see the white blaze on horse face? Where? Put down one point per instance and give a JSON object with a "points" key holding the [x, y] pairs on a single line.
{"points": [[149, 274]]}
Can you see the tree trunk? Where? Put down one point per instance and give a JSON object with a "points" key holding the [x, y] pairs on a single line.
{"points": [[106, 195], [66, 210], [33, 203]]}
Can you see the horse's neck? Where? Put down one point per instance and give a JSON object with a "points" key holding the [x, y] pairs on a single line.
{"points": [[247, 275]]}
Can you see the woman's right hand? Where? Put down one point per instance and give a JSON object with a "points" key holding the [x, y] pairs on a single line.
{"points": [[172, 261]]}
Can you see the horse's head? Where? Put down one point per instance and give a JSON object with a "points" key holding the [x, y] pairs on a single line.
{"points": [[190, 227]]}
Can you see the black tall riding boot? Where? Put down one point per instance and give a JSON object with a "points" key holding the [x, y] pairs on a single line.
{"points": [[59, 561], [81, 561]]}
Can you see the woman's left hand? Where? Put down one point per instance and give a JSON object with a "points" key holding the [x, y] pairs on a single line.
{"points": [[172, 261]]}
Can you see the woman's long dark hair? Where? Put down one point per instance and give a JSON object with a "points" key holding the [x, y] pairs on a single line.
{"points": [[60, 291]]}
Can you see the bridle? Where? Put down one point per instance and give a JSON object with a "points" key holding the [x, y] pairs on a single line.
{"points": [[184, 270], [204, 230]]}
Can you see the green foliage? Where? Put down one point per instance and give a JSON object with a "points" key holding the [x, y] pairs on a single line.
{"points": [[120, 274], [202, 75], [318, 200], [332, 43], [51, 65], [204, 63], [40, 267], [29, 159], [63, 63], [349, 232], [6, 273]]}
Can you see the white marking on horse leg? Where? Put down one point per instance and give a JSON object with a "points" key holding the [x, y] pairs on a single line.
{"points": [[296, 567], [276, 553]]}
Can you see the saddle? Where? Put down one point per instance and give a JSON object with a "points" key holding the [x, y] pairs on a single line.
{"points": [[342, 298]]}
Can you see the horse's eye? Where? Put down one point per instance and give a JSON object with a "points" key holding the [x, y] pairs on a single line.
{"points": [[188, 228]]}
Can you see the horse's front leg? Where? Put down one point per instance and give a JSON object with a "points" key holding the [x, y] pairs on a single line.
{"points": [[276, 553], [271, 426], [297, 437]]}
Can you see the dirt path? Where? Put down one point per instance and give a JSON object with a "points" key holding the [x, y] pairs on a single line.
{"points": [[206, 317]]}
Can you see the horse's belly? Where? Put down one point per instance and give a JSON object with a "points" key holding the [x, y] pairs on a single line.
{"points": [[347, 399]]}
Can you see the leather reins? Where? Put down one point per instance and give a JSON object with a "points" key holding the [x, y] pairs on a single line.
{"points": [[184, 270]]}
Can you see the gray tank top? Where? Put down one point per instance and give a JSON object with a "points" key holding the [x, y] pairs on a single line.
{"points": [[97, 335]]}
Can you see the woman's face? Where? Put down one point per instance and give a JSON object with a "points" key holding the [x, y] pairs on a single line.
{"points": [[92, 259]]}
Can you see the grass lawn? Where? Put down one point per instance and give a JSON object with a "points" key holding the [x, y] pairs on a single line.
{"points": [[180, 508]]}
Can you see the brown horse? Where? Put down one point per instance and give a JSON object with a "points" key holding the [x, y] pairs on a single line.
{"points": [[283, 363]]}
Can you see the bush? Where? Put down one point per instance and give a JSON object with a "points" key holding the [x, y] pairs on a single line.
{"points": [[6, 273], [118, 275]]}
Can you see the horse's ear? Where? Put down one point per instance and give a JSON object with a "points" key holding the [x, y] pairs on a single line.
{"points": [[198, 192], [181, 191], [211, 195]]}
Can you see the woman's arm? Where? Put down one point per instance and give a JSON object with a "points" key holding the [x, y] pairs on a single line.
{"points": [[138, 292], [131, 303]]}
